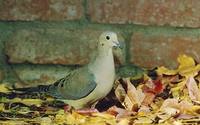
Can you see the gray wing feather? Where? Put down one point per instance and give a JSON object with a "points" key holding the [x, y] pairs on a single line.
{"points": [[76, 85]]}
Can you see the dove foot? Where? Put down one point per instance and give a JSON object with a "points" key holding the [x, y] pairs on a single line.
{"points": [[87, 111], [67, 108]]}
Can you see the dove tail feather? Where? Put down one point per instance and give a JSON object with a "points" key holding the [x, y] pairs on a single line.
{"points": [[38, 89]]}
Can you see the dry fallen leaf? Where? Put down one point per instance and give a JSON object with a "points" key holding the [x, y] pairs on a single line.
{"points": [[120, 112], [120, 93], [163, 70], [4, 87], [136, 96], [163, 96], [132, 98], [193, 90], [187, 67]]}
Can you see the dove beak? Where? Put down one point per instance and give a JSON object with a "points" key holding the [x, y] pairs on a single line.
{"points": [[117, 44]]}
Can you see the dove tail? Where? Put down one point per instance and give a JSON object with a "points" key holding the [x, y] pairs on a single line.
{"points": [[38, 89]]}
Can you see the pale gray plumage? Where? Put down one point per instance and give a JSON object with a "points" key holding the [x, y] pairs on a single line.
{"points": [[69, 87], [86, 85]]}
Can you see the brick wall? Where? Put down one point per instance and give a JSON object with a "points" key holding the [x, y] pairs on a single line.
{"points": [[42, 40]]}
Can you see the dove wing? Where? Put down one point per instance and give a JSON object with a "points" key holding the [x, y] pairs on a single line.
{"points": [[77, 84]]}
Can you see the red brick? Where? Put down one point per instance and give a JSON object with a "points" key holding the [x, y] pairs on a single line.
{"points": [[162, 49], [178, 13], [54, 46], [41, 9]]}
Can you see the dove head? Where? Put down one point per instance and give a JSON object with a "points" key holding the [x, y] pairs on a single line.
{"points": [[108, 40]]}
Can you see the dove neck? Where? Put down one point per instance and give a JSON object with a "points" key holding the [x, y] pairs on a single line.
{"points": [[102, 56]]}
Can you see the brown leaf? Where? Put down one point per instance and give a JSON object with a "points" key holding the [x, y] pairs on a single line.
{"points": [[134, 97], [120, 112], [149, 97], [120, 93]]}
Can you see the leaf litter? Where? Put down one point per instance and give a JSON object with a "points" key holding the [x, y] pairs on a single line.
{"points": [[159, 96]]}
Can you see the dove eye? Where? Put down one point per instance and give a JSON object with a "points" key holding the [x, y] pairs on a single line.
{"points": [[107, 37]]}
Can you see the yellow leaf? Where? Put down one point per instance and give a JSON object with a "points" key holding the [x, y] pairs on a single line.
{"points": [[61, 117], [2, 107], [185, 62], [143, 120], [187, 66], [189, 71], [28, 102], [157, 104], [4, 88], [36, 102], [45, 121], [178, 89], [103, 115], [195, 109], [162, 70], [13, 122], [103, 118], [123, 121], [69, 118], [77, 119]]}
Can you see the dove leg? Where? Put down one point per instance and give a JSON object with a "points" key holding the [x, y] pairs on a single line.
{"points": [[87, 111], [67, 108]]}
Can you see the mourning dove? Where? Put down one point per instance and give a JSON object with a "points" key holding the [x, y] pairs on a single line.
{"points": [[84, 86]]}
